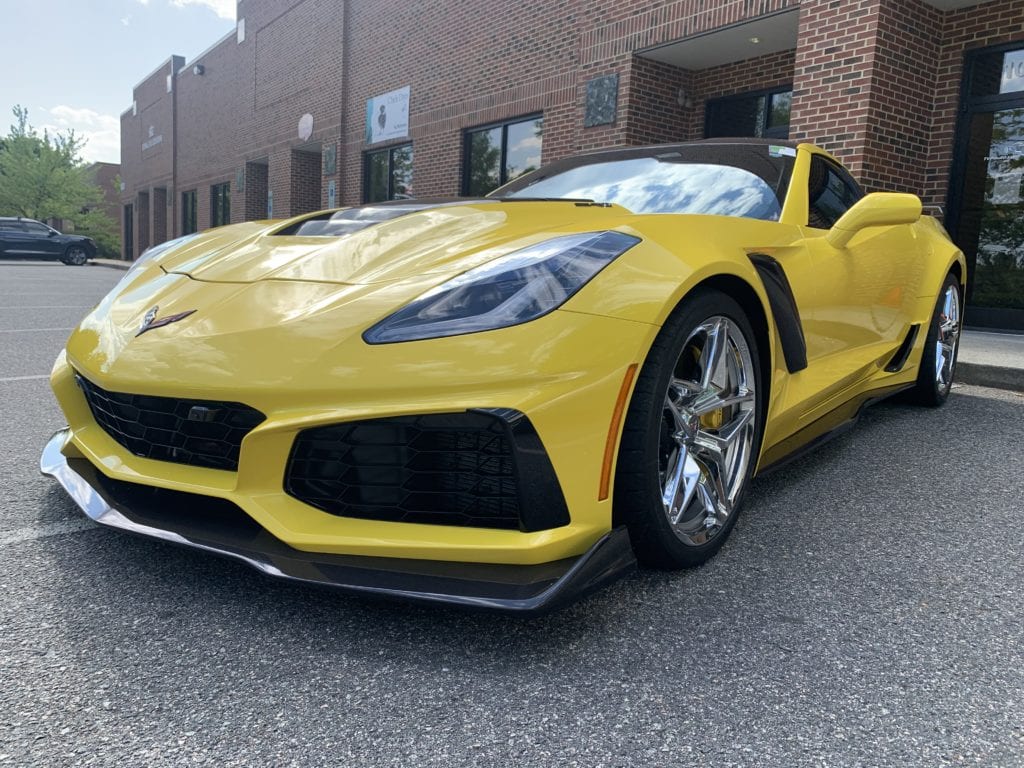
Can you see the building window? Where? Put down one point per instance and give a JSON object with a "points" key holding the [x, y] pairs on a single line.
{"points": [[220, 204], [188, 212], [496, 154], [387, 174], [831, 193], [759, 113]]}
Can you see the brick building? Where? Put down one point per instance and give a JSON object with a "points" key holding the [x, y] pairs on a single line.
{"points": [[311, 104]]}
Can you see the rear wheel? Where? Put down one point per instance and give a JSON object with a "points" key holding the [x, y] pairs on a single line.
{"points": [[689, 445], [75, 255], [941, 344]]}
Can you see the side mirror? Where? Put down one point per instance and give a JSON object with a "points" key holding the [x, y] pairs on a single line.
{"points": [[52, 233], [879, 209]]}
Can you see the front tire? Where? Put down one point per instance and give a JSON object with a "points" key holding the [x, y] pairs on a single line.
{"points": [[75, 256], [941, 345], [690, 441]]}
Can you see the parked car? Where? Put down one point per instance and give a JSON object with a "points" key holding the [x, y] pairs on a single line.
{"points": [[30, 239], [504, 402]]}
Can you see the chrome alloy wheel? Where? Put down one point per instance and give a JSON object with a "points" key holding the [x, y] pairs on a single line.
{"points": [[708, 430], [947, 338]]}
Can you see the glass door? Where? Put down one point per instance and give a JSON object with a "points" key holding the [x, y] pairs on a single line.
{"points": [[988, 217]]}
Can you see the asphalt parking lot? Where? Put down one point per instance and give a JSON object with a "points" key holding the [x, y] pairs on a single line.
{"points": [[867, 611]]}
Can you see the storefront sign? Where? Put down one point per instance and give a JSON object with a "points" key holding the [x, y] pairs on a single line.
{"points": [[387, 116], [152, 141], [1013, 72]]}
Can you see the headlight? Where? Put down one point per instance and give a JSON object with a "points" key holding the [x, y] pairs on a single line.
{"points": [[513, 289]]}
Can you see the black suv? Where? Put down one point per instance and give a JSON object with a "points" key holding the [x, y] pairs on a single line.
{"points": [[31, 239]]}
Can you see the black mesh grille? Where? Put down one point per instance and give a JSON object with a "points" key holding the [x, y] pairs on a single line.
{"points": [[201, 433], [447, 469]]}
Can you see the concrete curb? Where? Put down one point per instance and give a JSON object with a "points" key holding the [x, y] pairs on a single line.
{"points": [[995, 376], [124, 266]]}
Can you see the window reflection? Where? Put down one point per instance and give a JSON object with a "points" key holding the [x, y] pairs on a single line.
{"points": [[501, 153], [388, 174], [653, 185]]}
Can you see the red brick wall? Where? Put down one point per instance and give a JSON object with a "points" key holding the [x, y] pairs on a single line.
{"points": [[866, 75], [214, 125], [759, 73], [902, 92], [305, 182], [963, 30], [655, 114], [467, 63], [831, 83]]}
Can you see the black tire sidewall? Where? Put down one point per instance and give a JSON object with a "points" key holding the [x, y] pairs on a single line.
{"points": [[927, 390], [637, 490]]}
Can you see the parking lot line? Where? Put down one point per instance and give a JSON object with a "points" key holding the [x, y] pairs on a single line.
{"points": [[32, 330], [24, 378]]}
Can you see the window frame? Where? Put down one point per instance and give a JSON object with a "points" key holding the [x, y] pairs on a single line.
{"points": [[190, 195], [390, 150], [467, 146], [37, 228], [215, 189], [767, 93], [843, 175]]}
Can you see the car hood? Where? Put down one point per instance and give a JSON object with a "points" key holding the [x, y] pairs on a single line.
{"points": [[386, 243], [238, 296]]}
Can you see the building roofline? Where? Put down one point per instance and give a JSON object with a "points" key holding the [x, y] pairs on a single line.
{"points": [[161, 65], [196, 58]]}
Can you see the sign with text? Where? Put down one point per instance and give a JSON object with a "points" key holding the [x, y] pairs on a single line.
{"points": [[387, 116]]}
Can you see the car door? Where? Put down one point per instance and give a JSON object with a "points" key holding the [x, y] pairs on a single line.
{"points": [[14, 240], [42, 240], [857, 300]]}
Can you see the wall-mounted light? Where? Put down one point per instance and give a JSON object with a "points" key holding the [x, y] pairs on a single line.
{"points": [[683, 99], [198, 69], [755, 40]]}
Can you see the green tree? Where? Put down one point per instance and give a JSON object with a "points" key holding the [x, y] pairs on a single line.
{"points": [[43, 177]]}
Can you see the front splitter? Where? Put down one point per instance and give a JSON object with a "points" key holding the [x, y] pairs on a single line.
{"points": [[225, 530]]}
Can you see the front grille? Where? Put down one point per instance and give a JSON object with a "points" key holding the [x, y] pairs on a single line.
{"points": [[200, 433], [447, 469]]}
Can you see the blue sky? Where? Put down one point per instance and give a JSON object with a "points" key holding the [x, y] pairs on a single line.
{"points": [[73, 63]]}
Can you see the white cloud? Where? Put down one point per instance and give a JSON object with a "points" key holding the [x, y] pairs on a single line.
{"points": [[225, 9], [127, 20], [101, 132]]}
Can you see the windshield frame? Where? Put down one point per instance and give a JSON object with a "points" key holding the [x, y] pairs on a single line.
{"points": [[772, 161]]}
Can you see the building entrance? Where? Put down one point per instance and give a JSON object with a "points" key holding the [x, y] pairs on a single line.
{"points": [[987, 194]]}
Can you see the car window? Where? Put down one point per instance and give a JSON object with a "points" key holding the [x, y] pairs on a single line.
{"points": [[11, 226], [832, 192], [715, 179], [34, 228]]}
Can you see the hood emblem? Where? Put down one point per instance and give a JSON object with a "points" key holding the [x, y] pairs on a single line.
{"points": [[149, 321]]}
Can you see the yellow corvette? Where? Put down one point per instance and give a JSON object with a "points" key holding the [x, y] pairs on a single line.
{"points": [[504, 402]]}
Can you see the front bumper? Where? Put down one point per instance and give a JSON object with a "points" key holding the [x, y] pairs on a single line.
{"points": [[217, 526]]}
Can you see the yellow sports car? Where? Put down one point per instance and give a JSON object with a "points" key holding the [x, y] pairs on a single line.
{"points": [[504, 402]]}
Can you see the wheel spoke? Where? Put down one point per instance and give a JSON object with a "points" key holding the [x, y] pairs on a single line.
{"points": [[947, 336], [713, 354], [680, 422], [679, 489], [715, 401]]}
